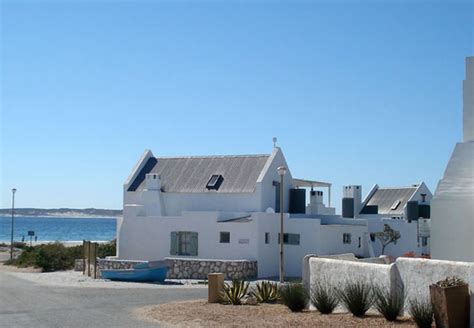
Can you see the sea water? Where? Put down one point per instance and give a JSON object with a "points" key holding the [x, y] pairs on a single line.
{"points": [[58, 228]]}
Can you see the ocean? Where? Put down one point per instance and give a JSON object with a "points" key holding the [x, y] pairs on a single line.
{"points": [[49, 229]]}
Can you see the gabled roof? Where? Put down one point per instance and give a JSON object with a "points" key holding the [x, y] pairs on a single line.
{"points": [[192, 174], [388, 198]]}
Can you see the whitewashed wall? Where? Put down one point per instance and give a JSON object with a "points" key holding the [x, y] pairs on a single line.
{"points": [[413, 274]]}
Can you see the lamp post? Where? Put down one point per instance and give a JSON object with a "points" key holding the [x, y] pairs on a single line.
{"points": [[281, 172], [13, 221]]}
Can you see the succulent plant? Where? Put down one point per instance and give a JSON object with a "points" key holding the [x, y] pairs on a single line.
{"points": [[234, 293], [266, 292], [451, 282]]}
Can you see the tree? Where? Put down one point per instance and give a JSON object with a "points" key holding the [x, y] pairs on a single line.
{"points": [[387, 236]]}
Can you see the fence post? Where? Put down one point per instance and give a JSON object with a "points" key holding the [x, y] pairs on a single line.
{"points": [[83, 257], [89, 260], [95, 260]]}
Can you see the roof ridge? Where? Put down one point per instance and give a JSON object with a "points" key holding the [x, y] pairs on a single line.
{"points": [[405, 187], [213, 156]]}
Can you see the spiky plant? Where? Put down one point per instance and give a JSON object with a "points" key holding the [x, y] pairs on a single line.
{"points": [[266, 292], [294, 296], [357, 297], [234, 293], [324, 297], [422, 312], [390, 305]]}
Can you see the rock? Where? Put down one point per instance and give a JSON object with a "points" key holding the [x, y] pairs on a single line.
{"points": [[249, 300]]}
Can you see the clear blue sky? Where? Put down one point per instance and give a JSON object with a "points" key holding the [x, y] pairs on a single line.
{"points": [[357, 92]]}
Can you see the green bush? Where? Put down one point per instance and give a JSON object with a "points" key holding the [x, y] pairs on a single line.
{"points": [[357, 297], [294, 296], [54, 257], [421, 312], [390, 305], [266, 292], [324, 297], [235, 292]]}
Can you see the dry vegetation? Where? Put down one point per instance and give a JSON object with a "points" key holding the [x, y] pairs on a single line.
{"points": [[201, 314]]}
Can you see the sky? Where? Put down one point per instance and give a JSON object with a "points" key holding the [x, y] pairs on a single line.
{"points": [[357, 92]]}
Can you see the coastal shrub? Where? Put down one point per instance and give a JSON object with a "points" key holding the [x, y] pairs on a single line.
{"points": [[234, 293], [357, 297], [107, 249], [27, 258], [266, 292], [53, 257], [390, 305], [422, 312], [294, 296], [324, 297]]}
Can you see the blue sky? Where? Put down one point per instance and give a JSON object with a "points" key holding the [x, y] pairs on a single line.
{"points": [[357, 92]]}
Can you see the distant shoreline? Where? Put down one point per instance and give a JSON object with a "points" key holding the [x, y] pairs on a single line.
{"points": [[63, 212], [61, 216]]}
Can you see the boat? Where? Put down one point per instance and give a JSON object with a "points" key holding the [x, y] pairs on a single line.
{"points": [[149, 271]]}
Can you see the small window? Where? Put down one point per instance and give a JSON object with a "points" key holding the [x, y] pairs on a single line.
{"points": [[372, 236], [395, 205], [290, 238], [267, 238], [360, 244], [214, 182], [224, 237], [346, 238], [424, 241]]}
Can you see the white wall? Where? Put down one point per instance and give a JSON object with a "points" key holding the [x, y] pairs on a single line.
{"points": [[413, 275], [148, 238]]}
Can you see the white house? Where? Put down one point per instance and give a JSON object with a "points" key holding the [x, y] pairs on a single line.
{"points": [[453, 202], [405, 209], [226, 207]]}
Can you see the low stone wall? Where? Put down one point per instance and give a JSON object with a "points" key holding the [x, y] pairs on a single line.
{"points": [[79, 265], [199, 268]]}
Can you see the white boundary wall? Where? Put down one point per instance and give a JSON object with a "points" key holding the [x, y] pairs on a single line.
{"points": [[415, 275]]}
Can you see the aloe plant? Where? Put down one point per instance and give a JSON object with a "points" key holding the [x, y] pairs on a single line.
{"points": [[234, 293], [266, 292]]}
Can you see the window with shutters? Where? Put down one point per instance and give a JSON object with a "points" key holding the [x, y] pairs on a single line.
{"points": [[184, 243], [224, 237]]}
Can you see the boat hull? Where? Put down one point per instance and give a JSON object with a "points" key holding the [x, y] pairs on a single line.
{"points": [[137, 275]]}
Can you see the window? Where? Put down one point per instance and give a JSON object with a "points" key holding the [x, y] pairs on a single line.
{"points": [[424, 241], [290, 238], [267, 238], [215, 182], [276, 184], [346, 238], [184, 243], [360, 244], [395, 205], [224, 237]]}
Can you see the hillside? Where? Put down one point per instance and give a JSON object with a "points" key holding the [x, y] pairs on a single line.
{"points": [[67, 212]]}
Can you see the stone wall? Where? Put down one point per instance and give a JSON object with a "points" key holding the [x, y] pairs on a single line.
{"points": [[199, 268], [106, 264]]}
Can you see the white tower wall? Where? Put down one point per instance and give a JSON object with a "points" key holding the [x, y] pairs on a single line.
{"points": [[452, 225]]}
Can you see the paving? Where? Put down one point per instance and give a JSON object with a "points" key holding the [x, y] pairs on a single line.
{"points": [[24, 303]]}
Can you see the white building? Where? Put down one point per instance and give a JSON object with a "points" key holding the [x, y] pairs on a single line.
{"points": [[405, 209], [453, 202], [226, 207]]}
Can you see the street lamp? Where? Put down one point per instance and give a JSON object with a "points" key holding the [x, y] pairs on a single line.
{"points": [[281, 172], [13, 221]]}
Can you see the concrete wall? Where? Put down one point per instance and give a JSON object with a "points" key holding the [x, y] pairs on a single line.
{"points": [[412, 274]]}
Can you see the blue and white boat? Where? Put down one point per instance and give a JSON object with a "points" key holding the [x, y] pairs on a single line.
{"points": [[150, 271]]}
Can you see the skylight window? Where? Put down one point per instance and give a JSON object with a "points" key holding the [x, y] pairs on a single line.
{"points": [[395, 205], [214, 182]]}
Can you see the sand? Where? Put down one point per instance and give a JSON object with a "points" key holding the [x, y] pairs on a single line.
{"points": [[201, 314]]}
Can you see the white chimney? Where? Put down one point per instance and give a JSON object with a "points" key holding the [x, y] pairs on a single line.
{"points": [[152, 181]]}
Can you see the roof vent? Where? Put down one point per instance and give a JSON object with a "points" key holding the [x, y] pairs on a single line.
{"points": [[214, 182]]}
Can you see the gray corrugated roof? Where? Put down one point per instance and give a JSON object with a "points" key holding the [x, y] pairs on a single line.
{"points": [[384, 198], [191, 174]]}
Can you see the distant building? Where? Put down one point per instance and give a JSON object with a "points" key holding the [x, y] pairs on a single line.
{"points": [[227, 207], [453, 202]]}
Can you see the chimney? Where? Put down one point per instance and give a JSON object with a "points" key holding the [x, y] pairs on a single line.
{"points": [[351, 201], [152, 181]]}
